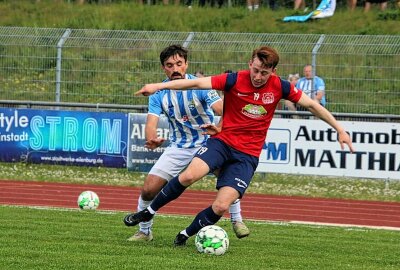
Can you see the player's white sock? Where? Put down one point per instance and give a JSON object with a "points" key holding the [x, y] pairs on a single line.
{"points": [[144, 226], [234, 211]]}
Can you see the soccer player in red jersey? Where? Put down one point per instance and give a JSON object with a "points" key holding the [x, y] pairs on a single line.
{"points": [[250, 99]]}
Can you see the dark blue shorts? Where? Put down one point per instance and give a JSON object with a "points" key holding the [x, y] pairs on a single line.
{"points": [[236, 168]]}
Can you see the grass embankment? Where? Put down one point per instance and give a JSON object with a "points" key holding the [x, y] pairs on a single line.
{"points": [[131, 16]]}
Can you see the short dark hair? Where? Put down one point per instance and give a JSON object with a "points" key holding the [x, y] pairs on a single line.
{"points": [[171, 51], [268, 56]]}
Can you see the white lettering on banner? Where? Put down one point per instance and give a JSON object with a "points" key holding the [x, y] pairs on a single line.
{"points": [[138, 132], [140, 148], [12, 137], [17, 121]]}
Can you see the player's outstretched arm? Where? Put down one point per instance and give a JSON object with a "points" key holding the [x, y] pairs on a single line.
{"points": [[322, 113], [200, 83]]}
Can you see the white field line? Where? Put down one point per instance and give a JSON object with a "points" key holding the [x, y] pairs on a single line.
{"points": [[278, 223]]}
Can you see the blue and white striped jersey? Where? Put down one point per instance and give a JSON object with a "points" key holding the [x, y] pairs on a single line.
{"points": [[185, 111], [307, 87]]}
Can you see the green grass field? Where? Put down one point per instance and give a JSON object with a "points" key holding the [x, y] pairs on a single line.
{"points": [[33, 238]]}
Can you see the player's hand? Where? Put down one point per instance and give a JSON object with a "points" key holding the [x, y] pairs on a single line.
{"points": [[147, 90], [154, 143], [210, 129], [344, 138]]}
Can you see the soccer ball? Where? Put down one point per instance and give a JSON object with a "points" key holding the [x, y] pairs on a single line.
{"points": [[212, 240], [88, 200]]}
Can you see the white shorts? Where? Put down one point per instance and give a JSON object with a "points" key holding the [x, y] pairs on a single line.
{"points": [[173, 161]]}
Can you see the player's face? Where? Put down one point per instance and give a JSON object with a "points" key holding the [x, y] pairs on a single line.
{"points": [[258, 74], [175, 67]]}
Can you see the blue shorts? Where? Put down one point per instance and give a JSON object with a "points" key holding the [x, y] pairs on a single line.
{"points": [[236, 168]]}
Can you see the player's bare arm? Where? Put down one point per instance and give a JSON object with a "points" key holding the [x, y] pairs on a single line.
{"points": [[322, 113], [200, 83], [211, 129], [152, 141]]}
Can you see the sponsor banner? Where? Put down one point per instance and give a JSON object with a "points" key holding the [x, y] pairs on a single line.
{"points": [[299, 146], [63, 137], [141, 158], [311, 147]]}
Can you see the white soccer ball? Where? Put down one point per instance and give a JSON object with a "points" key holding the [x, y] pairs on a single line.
{"points": [[212, 240], [88, 200]]}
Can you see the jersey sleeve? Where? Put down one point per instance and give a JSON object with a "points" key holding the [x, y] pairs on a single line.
{"points": [[294, 94], [212, 97], [218, 81], [155, 104]]}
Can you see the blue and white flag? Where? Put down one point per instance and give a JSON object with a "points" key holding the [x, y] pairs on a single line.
{"points": [[325, 9]]}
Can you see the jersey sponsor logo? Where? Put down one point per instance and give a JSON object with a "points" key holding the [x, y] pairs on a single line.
{"points": [[191, 105], [268, 98], [254, 111]]}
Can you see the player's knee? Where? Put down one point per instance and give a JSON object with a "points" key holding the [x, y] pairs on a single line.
{"points": [[187, 178], [220, 207]]}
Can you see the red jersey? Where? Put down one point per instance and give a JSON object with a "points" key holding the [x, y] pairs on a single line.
{"points": [[248, 110]]}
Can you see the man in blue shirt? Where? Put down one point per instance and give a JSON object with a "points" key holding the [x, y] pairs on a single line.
{"points": [[311, 85], [186, 111]]}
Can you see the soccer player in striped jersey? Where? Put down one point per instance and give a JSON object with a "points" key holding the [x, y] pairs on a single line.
{"points": [[186, 112]]}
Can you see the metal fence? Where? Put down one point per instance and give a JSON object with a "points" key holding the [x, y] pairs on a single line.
{"points": [[362, 73]]}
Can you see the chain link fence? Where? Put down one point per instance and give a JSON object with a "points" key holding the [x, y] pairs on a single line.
{"points": [[362, 73]]}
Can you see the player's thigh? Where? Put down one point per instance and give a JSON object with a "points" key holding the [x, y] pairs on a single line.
{"points": [[238, 173], [214, 153], [194, 172], [172, 162]]}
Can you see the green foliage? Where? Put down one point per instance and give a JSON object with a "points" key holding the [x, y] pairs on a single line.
{"points": [[73, 239]]}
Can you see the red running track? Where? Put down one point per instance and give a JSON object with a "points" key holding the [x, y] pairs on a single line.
{"points": [[254, 206]]}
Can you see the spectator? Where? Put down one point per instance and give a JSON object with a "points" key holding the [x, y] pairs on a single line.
{"points": [[382, 4], [299, 4], [352, 4], [199, 74], [312, 85], [253, 5]]}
